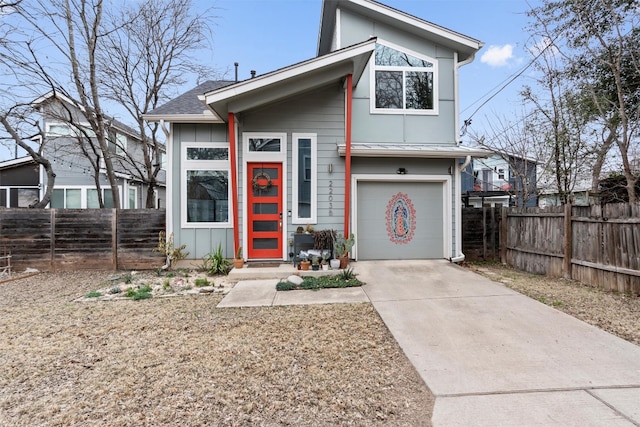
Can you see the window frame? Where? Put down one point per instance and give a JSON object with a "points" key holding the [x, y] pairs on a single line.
{"points": [[313, 160], [207, 166], [433, 70]]}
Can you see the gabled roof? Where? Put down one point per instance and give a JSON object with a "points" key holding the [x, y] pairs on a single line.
{"points": [[188, 107], [20, 161], [297, 78], [116, 124], [464, 45]]}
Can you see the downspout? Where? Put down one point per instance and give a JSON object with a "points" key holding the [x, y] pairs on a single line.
{"points": [[234, 180], [459, 168], [347, 159]]}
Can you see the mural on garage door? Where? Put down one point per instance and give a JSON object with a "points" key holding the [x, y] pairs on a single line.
{"points": [[401, 219]]}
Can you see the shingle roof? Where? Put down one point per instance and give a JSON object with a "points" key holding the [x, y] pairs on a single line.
{"points": [[188, 102]]}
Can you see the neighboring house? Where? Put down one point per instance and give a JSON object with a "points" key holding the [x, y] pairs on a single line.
{"points": [[362, 138], [19, 183], [75, 186], [501, 178]]}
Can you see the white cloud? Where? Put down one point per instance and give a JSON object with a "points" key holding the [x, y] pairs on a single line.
{"points": [[497, 56]]}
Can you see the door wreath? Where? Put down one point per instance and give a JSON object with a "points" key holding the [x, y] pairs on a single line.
{"points": [[262, 181]]}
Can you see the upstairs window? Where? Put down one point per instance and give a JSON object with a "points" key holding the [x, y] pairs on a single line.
{"points": [[117, 143], [403, 82]]}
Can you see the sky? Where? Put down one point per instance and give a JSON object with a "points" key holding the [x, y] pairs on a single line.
{"points": [[265, 35]]}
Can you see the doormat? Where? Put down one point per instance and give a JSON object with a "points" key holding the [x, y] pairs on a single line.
{"points": [[263, 265]]}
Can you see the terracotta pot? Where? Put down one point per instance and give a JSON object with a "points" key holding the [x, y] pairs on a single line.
{"points": [[305, 264], [344, 261], [238, 263]]}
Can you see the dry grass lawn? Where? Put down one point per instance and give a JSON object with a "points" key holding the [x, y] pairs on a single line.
{"points": [[181, 361]]}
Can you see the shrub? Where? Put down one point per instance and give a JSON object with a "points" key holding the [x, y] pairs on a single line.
{"points": [[201, 281], [215, 263], [93, 294], [285, 286]]}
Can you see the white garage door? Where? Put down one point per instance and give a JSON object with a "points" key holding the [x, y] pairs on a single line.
{"points": [[400, 220]]}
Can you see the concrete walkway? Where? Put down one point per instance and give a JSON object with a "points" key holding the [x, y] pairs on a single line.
{"points": [[491, 356]]}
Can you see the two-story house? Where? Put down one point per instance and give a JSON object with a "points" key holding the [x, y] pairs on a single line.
{"points": [[65, 126], [500, 178], [362, 138]]}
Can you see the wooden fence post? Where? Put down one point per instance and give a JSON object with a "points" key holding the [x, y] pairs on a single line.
{"points": [[503, 234], [52, 244], [568, 239], [114, 238]]}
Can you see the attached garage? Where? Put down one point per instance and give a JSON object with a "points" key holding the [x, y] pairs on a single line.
{"points": [[406, 217]]}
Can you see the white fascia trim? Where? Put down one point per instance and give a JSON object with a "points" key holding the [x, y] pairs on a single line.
{"points": [[169, 179], [446, 203], [289, 72], [295, 218], [419, 23], [17, 162], [207, 116], [436, 153]]}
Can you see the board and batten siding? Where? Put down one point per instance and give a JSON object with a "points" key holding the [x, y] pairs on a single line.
{"points": [[199, 241], [320, 112]]}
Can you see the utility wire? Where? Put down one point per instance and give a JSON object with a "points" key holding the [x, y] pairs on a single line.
{"points": [[510, 80]]}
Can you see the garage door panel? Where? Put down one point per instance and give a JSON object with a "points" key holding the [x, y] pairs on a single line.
{"points": [[400, 220]]}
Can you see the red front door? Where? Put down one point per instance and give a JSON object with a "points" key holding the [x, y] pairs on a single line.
{"points": [[264, 225]]}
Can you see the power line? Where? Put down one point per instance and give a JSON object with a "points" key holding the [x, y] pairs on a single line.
{"points": [[510, 80]]}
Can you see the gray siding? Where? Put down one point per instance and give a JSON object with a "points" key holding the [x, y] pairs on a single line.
{"points": [[320, 112], [400, 128], [199, 241]]}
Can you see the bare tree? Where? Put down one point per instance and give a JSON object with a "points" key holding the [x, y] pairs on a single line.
{"points": [[599, 46], [144, 60], [133, 56], [22, 114]]}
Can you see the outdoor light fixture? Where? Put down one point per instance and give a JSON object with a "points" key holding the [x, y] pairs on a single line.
{"points": [[401, 171]]}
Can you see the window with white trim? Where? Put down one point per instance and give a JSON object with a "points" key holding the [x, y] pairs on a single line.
{"points": [[62, 129], [107, 198], [133, 197], [305, 167], [403, 81], [205, 184], [81, 197], [67, 198]]}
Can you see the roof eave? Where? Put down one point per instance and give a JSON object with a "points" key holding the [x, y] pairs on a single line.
{"points": [[357, 56], [183, 118], [438, 152], [466, 46]]}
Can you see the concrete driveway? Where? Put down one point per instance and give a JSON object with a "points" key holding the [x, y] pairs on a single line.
{"points": [[494, 357]]}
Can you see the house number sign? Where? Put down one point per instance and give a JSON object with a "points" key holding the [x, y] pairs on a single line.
{"points": [[330, 198]]}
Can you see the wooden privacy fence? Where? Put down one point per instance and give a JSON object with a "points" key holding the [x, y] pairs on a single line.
{"points": [[81, 239], [481, 233], [597, 245]]}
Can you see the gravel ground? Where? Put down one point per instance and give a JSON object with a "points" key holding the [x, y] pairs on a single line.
{"points": [[616, 313], [181, 361]]}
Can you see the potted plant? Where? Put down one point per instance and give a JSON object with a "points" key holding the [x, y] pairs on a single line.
{"points": [[343, 246], [325, 260], [315, 264], [304, 264], [238, 261]]}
